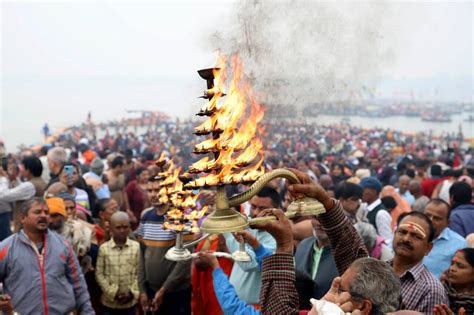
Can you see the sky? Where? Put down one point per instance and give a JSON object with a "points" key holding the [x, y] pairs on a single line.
{"points": [[61, 59]]}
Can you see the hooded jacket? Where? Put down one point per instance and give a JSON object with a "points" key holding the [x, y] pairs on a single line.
{"points": [[50, 282]]}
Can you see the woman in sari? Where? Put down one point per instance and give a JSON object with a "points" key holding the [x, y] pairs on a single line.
{"points": [[458, 281]]}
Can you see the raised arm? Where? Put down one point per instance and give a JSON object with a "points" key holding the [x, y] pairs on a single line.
{"points": [[346, 243], [24, 191]]}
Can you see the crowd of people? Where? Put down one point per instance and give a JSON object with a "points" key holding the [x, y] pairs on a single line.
{"points": [[82, 227]]}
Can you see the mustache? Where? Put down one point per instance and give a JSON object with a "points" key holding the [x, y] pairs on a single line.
{"points": [[406, 244], [43, 221]]}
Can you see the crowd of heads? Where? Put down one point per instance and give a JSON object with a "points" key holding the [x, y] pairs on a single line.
{"points": [[354, 165]]}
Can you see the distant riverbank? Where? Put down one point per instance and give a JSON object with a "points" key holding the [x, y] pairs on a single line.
{"points": [[403, 123]]}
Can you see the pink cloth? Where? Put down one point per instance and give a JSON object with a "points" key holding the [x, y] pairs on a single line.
{"points": [[82, 209], [377, 250]]}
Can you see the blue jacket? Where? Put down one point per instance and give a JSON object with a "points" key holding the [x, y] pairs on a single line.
{"points": [[246, 277], [462, 219], [56, 286], [226, 294]]}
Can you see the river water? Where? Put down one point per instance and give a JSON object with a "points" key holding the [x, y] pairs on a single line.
{"points": [[404, 123], [401, 123]]}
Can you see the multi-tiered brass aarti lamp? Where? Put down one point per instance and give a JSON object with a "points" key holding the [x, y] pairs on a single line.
{"points": [[233, 155]]}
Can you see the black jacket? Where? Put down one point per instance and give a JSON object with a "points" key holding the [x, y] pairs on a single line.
{"points": [[327, 271]]}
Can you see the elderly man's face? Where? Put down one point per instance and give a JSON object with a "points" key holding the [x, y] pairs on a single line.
{"points": [[358, 302], [403, 183]]}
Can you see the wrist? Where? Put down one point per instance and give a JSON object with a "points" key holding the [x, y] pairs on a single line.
{"points": [[254, 244], [285, 247], [328, 204]]}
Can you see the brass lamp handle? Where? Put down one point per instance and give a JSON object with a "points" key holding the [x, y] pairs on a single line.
{"points": [[254, 221], [260, 183]]}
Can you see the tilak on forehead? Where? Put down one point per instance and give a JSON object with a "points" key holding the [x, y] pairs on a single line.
{"points": [[455, 259], [414, 227]]}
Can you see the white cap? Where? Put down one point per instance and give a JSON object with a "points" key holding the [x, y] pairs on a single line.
{"points": [[84, 141]]}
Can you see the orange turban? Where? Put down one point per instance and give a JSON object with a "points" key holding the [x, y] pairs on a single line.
{"points": [[56, 205]]}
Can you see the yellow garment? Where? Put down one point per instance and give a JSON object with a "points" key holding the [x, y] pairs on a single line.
{"points": [[117, 269], [56, 205]]}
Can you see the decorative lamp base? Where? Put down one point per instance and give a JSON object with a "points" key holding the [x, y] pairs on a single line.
{"points": [[241, 256], [178, 254], [224, 220]]}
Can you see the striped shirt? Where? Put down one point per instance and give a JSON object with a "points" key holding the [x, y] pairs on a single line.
{"points": [[151, 229]]}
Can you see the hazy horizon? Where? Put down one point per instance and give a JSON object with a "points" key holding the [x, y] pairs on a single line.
{"points": [[61, 60]]}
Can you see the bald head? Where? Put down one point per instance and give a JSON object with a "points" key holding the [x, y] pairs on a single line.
{"points": [[326, 181], [55, 189], [120, 227], [119, 217], [403, 183], [415, 187]]}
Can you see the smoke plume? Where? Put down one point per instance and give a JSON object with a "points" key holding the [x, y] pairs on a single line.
{"points": [[304, 52]]}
